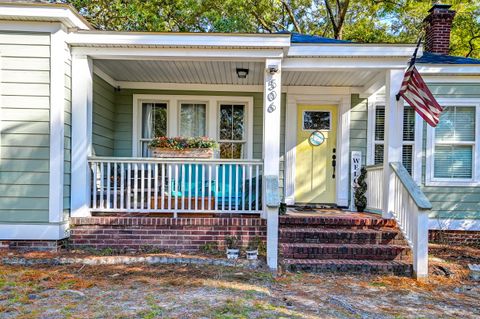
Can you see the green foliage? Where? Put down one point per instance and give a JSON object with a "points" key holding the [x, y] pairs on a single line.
{"points": [[181, 143], [254, 243], [232, 242], [360, 190], [369, 21]]}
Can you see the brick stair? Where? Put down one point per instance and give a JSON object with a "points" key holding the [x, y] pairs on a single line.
{"points": [[343, 244]]}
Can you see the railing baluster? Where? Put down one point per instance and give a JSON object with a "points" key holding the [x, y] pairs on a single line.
{"points": [[182, 187], [196, 187], [101, 186], [210, 207], [244, 181], [163, 181], [216, 186], [122, 186], [230, 182], [224, 181], [149, 186], [203, 186], [108, 184], [142, 186], [155, 194], [189, 187], [250, 187], [257, 181], [236, 186], [169, 187], [135, 186], [115, 191], [176, 191], [129, 186]]}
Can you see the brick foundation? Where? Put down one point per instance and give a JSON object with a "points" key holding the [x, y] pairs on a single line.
{"points": [[455, 237], [163, 233], [33, 245]]}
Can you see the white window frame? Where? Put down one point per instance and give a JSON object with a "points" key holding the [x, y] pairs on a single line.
{"points": [[315, 111], [375, 101], [430, 180], [173, 116], [246, 114]]}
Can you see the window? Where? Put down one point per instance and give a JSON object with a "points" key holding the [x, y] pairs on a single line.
{"points": [[316, 120], [408, 136], [454, 144], [154, 123], [193, 120], [232, 131]]}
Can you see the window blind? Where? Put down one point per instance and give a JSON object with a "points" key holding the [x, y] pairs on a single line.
{"points": [[453, 161], [457, 124]]}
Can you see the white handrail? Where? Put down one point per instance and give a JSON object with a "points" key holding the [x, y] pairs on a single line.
{"points": [[174, 185], [411, 209]]}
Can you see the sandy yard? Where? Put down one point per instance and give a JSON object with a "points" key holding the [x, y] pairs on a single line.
{"points": [[181, 291]]}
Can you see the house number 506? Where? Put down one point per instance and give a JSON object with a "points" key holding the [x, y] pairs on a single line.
{"points": [[271, 95]]}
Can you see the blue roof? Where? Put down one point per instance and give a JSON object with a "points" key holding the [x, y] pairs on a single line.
{"points": [[435, 58], [306, 38]]}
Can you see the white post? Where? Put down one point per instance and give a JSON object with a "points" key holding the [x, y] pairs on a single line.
{"points": [[420, 253], [271, 155], [81, 134], [393, 137], [57, 123]]}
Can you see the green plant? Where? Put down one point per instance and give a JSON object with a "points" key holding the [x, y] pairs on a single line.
{"points": [[181, 143], [232, 242], [209, 248], [254, 243], [360, 190]]}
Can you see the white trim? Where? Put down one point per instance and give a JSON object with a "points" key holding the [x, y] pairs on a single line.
{"points": [[104, 76], [353, 50], [461, 79], [59, 12], [373, 85], [232, 40], [343, 64], [82, 92], [343, 142], [34, 231], [186, 54], [430, 180], [29, 26], [418, 150], [454, 224], [448, 69], [57, 125], [173, 115]]}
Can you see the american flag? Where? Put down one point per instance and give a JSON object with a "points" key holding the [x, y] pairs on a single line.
{"points": [[416, 93]]}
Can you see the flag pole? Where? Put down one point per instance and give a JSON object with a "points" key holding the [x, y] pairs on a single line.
{"points": [[412, 60]]}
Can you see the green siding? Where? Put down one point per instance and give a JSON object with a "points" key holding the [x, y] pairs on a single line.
{"points": [[455, 202], [103, 126], [24, 149], [358, 125]]}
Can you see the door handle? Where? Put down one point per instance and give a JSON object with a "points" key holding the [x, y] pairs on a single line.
{"points": [[334, 162]]}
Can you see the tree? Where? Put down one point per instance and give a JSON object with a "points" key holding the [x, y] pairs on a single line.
{"points": [[389, 21]]}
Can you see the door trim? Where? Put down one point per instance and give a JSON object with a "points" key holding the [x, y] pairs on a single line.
{"points": [[343, 103]]}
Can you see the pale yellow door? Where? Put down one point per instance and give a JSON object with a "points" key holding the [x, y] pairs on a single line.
{"points": [[314, 172]]}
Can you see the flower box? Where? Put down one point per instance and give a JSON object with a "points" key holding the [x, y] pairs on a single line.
{"points": [[160, 152]]}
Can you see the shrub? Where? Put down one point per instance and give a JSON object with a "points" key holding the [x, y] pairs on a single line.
{"points": [[181, 143]]}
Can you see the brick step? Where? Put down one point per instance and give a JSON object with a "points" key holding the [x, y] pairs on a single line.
{"points": [[341, 236], [337, 222], [344, 251], [398, 268]]}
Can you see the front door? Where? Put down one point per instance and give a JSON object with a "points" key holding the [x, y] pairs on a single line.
{"points": [[316, 154]]}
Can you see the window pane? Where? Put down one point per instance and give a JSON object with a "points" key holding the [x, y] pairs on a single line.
{"points": [[453, 161], [379, 123], [456, 124], [231, 150], [378, 154], [192, 120], [316, 120], [408, 124], [407, 157], [232, 119], [154, 120]]}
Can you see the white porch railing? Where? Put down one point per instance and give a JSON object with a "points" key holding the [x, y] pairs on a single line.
{"points": [[148, 185], [374, 194], [410, 210]]}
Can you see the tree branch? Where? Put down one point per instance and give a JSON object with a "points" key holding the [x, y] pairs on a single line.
{"points": [[292, 16]]}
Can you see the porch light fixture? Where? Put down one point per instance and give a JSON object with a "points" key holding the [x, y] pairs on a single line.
{"points": [[242, 73]]}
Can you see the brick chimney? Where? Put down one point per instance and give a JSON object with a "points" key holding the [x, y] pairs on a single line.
{"points": [[437, 28]]}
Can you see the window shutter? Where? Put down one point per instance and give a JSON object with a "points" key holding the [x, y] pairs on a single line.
{"points": [[379, 123]]}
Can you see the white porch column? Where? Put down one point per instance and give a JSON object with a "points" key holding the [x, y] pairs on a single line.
{"points": [[271, 155], [57, 124], [82, 91], [393, 137]]}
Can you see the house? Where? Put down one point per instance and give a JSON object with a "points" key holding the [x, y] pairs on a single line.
{"points": [[293, 114]]}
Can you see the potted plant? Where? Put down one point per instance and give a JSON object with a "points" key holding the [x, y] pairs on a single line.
{"points": [[233, 250], [183, 147], [360, 190], [252, 248]]}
